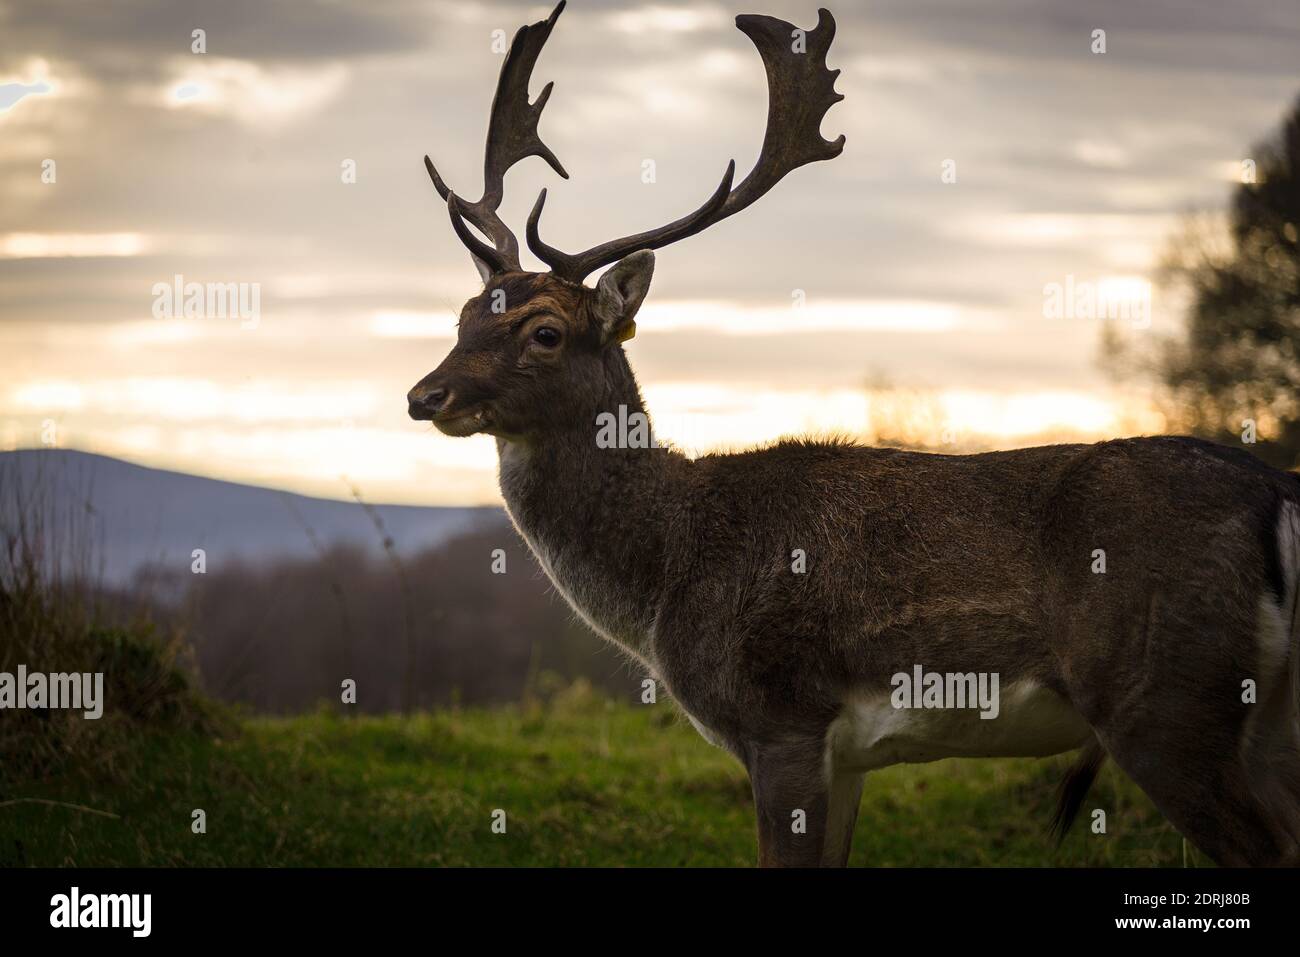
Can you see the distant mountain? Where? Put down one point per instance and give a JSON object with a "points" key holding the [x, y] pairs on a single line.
{"points": [[139, 515]]}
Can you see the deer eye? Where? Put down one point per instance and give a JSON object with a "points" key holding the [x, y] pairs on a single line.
{"points": [[546, 336]]}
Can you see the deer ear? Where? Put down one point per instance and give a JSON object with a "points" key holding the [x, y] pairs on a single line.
{"points": [[619, 295], [484, 270]]}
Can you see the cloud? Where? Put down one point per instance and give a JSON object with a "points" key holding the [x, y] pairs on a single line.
{"points": [[132, 36], [654, 19], [252, 94]]}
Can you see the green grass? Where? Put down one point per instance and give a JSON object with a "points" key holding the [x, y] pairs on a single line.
{"points": [[582, 782]]}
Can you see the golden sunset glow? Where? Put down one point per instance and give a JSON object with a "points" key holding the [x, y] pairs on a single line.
{"points": [[320, 439], [80, 245], [943, 284]]}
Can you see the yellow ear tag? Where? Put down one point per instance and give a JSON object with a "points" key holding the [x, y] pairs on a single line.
{"points": [[628, 332]]}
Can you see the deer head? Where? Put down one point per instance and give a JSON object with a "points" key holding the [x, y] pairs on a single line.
{"points": [[534, 347]]}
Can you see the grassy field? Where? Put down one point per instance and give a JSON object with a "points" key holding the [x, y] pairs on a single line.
{"points": [[582, 782]]}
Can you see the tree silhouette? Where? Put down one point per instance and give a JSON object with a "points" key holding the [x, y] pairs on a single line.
{"points": [[1238, 361]]}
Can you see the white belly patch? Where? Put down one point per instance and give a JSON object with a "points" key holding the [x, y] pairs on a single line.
{"points": [[1032, 721]]}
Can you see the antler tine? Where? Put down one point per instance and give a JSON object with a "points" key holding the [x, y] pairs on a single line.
{"points": [[800, 89], [481, 250], [512, 136]]}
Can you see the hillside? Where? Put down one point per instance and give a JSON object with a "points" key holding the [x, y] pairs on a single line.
{"points": [[142, 515]]}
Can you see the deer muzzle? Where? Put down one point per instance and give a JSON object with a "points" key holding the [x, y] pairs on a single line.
{"points": [[424, 402]]}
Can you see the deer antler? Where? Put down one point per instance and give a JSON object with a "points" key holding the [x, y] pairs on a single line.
{"points": [[800, 89], [512, 136]]}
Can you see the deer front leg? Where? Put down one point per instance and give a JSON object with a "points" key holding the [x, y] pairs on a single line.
{"points": [[805, 813]]}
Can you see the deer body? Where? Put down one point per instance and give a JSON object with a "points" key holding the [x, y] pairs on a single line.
{"points": [[659, 534], [822, 609]]}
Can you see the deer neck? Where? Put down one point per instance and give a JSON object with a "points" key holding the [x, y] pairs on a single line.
{"points": [[594, 515]]}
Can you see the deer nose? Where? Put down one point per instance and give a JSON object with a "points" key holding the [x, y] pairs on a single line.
{"points": [[425, 405]]}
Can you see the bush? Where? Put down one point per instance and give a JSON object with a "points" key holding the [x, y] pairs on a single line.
{"points": [[54, 619]]}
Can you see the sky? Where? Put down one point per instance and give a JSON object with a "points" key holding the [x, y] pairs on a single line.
{"points": [[997, 166]]}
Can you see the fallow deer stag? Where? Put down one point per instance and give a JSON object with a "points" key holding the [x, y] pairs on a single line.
{"points": [[1177, 657]]}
